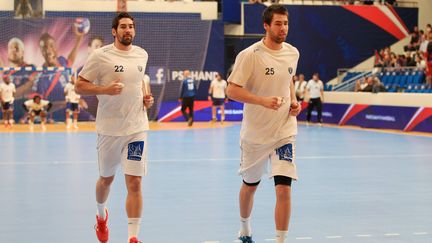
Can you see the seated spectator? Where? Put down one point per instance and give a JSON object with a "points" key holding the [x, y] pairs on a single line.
{"points": [[428, 29], [420, 62], [424, 41], [377, 86], [364, 85], [368, 85]]}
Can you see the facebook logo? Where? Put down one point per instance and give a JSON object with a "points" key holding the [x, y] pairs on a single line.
{"points": [[157, 74]]}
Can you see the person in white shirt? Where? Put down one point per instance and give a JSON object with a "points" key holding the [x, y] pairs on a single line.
{"points": [[115, 73], [7, 94], [262, 78], [315, 92], [37, 107], [217, 94], [300, 87], [72, 103]]}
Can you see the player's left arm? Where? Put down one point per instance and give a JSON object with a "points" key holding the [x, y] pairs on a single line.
{"points": [[78, 40], [322, 92], [295, 108], [147, 94], [210, 91]]}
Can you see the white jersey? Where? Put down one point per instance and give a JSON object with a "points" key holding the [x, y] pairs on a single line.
{"points": [[266, 72], [32, 106], [123, 114], [218, 88], [314, 88], [7, 92], [300, 87], [71, 96]]}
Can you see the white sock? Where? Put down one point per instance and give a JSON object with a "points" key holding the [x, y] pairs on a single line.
{"points": [[101, 210], [281, 236], [133, 227], [245, 228]]}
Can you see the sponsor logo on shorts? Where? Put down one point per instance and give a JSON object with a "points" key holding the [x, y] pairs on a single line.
{"points": [[135, 150], [285, 152]]}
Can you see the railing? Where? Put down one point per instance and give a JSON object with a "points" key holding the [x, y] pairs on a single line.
{"points": [[349, 84]]}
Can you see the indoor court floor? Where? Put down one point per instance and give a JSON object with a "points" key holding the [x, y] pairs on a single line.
{"points": [[355, 186]]}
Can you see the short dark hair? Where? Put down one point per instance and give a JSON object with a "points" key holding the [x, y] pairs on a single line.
{"points": [[267, 15], [119, 16], [44, 37]]}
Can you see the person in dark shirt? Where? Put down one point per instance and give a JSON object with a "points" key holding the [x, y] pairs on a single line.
{"points": [[187, 97]]}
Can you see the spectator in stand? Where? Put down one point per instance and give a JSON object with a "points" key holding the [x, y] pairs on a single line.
{"points": [[394, 61], [369, 85], [402, 60], [420, 62], [428, 28], [411, 60], [428, 57], [377, 85], [360, 85], [425, 38], [414, 43]]}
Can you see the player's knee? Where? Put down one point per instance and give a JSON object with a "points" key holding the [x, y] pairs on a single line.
{"points": [[106, 181], [283, 187], [134, 184]]}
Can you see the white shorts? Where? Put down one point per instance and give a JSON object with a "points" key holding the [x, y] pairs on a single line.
{"points": [[129, 151], [255, 159]]}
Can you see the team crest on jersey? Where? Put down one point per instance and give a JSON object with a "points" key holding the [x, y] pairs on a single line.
{"points": [[135, 150], [140, 68], [290, 70], [285, 152]]}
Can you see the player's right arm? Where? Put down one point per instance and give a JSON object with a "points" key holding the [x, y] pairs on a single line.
{"points": [[242, 71], [238, 93], [85, 87], [90, 72]]}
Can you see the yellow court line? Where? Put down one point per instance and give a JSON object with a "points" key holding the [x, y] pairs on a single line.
{"points": [[164, 126], [90, 127]]}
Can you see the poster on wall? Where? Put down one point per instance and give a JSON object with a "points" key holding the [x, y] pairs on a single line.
{"points": [[28, 9]]}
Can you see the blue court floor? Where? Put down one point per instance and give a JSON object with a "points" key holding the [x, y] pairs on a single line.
{"points": [[355, 187]]}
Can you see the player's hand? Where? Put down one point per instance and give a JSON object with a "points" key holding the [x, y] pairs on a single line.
{"points": [[115, 88], [76, 32], [271, 102], [226, 100], [83, 104], [209, 98], [148, 101], [295, 109]]}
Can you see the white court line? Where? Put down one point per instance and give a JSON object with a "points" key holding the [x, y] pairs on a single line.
{"points": [[365, 235], [236, 240], [333, 237], [223, 159], [392, 234], [304, 238], [420, 233], [270, 239]]}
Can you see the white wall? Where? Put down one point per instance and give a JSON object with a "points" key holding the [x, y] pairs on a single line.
{"points": [[425, 13], [208, 10]]}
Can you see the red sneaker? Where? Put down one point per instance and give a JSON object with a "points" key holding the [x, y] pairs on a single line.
{"points": [[134, 240], [101, 228]]}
